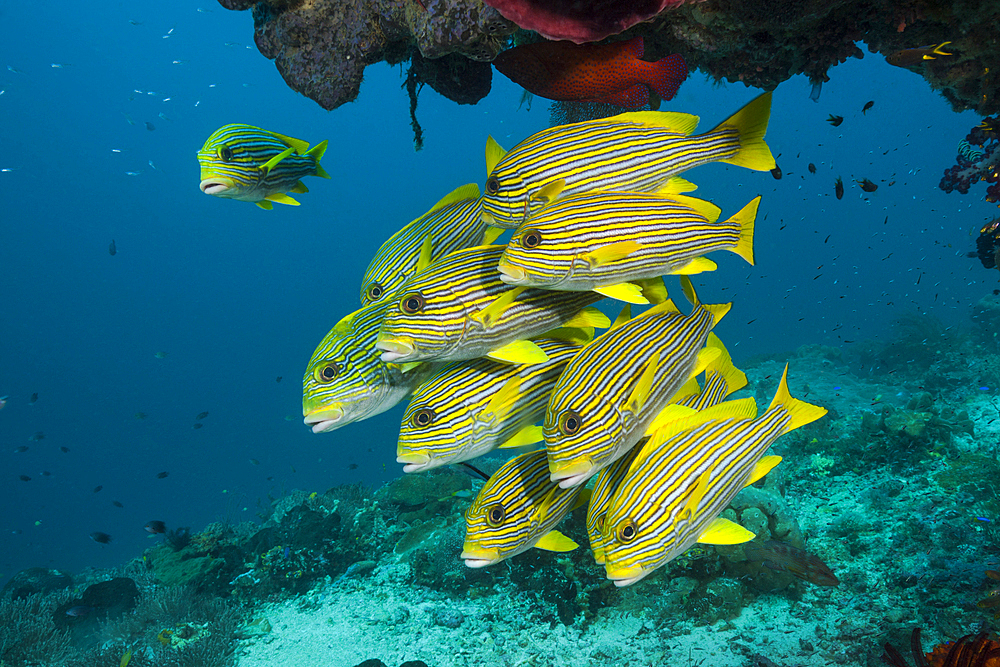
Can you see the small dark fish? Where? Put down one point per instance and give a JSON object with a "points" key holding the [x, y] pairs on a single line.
{"points": [[64, 450], [352, 466], [21, 449], [150, 126], [776, 172], [117, 504], [46, 473], [812, 168], [278, 379], [835, 120], [201, 415], [112, 250], [39, 435], [156, 527], [24, 478], [100, 538], [867, 185], [33, 399], [254, 462], [162, 475], [140, 415], [197, 425], [79, 610], [838, 187], [784, 557], [868, 105], [97, 489]]}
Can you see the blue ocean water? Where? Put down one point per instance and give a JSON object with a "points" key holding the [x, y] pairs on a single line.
{"points": [[207, 301]]}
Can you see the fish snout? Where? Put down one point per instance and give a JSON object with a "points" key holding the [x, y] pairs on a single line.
{"points": [[414, 462], [394, 349], [510, 274], [477, 557], [215, 186], [569, 475], [325, 419]]}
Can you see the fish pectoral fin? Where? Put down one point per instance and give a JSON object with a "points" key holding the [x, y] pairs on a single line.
{"points": [[626, 292], [694, 500], [499, 407], [555, 541], [492, 312], [424, 260], [519, 352], [764, 466], [695, 266], [264, 204], [588, 317], [281, 198], [528, 435], [724, 531], [640, 392], [461, 193], [408, 366], [273, 162], [550, 191], [610, 253], [491, 234], [299, 188]]}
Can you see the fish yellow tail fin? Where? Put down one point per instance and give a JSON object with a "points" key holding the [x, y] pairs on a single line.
{"points": [[751, 124], [745, 220], [316, 152], [938, 50], [802, 413], [734, 377]]}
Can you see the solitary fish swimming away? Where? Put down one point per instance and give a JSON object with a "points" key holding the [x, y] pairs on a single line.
{"points": [[250, 164], [112, 250], [920, 56], [607, 73]]}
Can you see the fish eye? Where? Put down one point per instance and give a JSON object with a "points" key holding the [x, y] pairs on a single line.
{"points": [[570, 423], [495, 516], [327, 373], [531, 239], [492, 185], [375, 291], [422, 418], [226, 153], [627, 531], [412, 303]]}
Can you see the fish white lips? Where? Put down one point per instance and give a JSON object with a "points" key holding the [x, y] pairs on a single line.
{"points": [[476, 560], [509, 274], [322, 421], [212, 187], [621, 583], [393, 350], [572, 480], [414, 462]]}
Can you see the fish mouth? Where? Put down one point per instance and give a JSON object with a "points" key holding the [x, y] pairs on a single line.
{"points": [[510, 274], [477, 557], [414, 462], [214, 186], [326, 419], [571, 475], [626, 576], [394, 349]]}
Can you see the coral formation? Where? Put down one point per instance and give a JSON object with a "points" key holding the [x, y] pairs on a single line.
{"points": [[978, 160]]}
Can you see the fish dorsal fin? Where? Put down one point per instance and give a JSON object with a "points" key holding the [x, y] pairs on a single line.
{"points": [[626, 292], [706, 357], [491, 234], [492, 312], [500, 406], [527, 435], [550, 191], [668, 415], [687, 390], [589, 317], [461, 193], [494, 153], [623, 317], [672, 121], [424, 259], [694, 266], [801, 413], [668, 424], [555, 541], [318, 151], [574, 335], [724, 531], [654, 289], [666, 307], [297, 145], [610, 253], [734, 377], [274, 161], [640, 392], [676, 185], [519, 352], [705, 209], [346, 323], [750, 124], [281, 199], [761, 468]]}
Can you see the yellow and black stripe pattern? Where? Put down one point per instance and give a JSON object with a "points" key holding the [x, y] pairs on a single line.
{"points": [[636, 152], [346, 381], [252, 164], [676, 488], [722, 378], [452, 224], [614, 388], [593, 239], [469, 408], [458, 308], [515, 510]]}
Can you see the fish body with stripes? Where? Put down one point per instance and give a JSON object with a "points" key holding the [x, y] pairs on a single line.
{"points": [[517, 509], [458, 308], [469, 408], [614, 388], [603, 241], [346, 381], [721, 379], [451, 224], [634, 152], [685, 477], [251, 164]]}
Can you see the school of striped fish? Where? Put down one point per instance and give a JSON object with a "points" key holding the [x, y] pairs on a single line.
{"points": [[498, 345]]}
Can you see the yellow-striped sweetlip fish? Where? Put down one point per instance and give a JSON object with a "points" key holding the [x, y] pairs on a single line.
{"points": [[250, 164], [458, 308], [453, 223], [346, 381], [603, 241], [721, 379], [682, 480], [517, 509], [613, 389], [469, 408], [633, 152]]}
